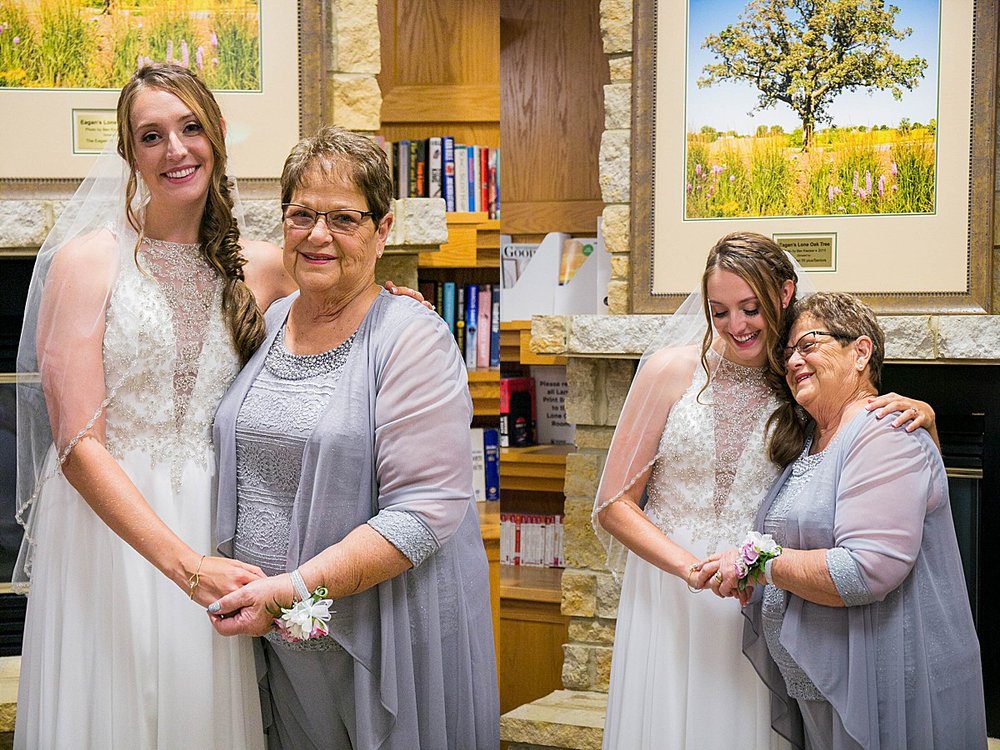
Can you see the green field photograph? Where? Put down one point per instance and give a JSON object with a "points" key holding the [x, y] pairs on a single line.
{"points": [[826, 107], [98, 44]]}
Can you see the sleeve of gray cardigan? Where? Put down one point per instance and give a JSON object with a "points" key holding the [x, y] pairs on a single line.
{"points": [[423, 462], [889, 482]]}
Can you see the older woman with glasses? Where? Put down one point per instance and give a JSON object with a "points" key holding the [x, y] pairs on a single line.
{"points": [[345, 474], [863, 632]]}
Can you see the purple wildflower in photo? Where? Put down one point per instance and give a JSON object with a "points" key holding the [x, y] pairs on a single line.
{"points": [[697, 170], [829, 193], [881, 185], [854, 184], [893, 169], [868, 182], [170, 50], [185, 57], [17, 40], [199, 57], [214, 40]]}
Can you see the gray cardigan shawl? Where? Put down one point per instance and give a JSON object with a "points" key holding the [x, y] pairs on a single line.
{"points": [[901, 670], [394, 439]]}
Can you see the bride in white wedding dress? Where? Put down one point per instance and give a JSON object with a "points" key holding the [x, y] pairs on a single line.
{"points": [[693, 435], [137, 321]]}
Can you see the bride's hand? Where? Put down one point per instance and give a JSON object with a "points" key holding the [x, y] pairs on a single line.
{"points": [[220, 576], [718, 572], [245, 611]]}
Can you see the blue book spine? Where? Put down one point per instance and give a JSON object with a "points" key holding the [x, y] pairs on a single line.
{"points": [[471, 324], [448, 186], [473, 159], [491, 447], [495, 328], [448, 308]]}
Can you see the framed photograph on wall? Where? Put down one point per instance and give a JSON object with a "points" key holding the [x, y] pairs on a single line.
{"points": [[60, 76], [859, 136]]}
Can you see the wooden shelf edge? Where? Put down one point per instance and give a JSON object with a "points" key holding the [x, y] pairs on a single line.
{"points": [[528, 583]]}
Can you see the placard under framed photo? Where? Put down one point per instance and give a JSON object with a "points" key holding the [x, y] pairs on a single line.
{"points": [[883, 177], [262, 58]]}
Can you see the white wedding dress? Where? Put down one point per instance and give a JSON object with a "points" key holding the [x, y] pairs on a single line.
{"points": [[116, 655], [678, 676]]}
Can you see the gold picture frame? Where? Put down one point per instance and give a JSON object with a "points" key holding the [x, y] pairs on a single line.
{"points": [[660, 239]]}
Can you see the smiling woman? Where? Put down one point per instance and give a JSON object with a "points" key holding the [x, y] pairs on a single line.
{"points": [[357, 405]]}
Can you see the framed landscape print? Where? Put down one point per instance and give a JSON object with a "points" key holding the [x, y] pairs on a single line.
{"points": [[858, 135], [63, 62]]}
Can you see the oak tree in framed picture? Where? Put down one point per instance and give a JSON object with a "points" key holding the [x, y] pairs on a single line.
{"points": [[859, 134]]}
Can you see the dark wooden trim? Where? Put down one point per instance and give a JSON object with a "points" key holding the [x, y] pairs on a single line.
{"points": [[314, 25], [643, 148]]}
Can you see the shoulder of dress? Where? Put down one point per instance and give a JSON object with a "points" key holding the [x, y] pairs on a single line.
{"points": [[672, 362], [97, 246]]}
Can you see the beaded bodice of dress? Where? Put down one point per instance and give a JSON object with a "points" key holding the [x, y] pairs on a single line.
{"points": [[712, 471], [168, 357]]}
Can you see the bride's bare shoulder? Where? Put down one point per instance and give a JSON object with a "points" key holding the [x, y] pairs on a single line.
{"points": [[95, 250], [673, 361], [265, 272]]}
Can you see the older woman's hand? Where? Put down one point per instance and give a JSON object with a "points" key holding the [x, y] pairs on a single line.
{"points": [[914, 414], [245, 611]]}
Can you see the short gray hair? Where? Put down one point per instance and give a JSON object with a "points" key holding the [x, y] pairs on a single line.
{"points": [[846, 314], [334, 147]]}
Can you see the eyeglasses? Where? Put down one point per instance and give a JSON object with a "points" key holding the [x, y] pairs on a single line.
{"points": [[807, 343], [338, 221]]}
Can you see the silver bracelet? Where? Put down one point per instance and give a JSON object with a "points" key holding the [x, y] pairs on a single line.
{"points": [[767, 571], [299, 585]]}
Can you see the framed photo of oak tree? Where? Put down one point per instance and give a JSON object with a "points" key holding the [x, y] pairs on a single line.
{"points": [[859, 134]]}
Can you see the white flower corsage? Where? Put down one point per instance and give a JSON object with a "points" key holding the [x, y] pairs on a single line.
{"points": [[755, 551], [305, 619]]}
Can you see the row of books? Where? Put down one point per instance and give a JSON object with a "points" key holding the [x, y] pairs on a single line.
{"points": [[466, 177], [472, 312], [485, 446], [529, 539]]}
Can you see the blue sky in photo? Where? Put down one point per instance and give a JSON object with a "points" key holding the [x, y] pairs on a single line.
{"points": [[725, 105]]}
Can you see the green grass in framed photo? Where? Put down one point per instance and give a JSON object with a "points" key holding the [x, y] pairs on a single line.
{"points": [[97, 44]]}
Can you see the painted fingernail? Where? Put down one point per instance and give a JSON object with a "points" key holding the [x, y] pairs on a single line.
{"points": [[214, 607]]}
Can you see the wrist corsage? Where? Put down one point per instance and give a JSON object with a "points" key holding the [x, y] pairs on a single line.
{"points": [[306, 618], [754, 553]]}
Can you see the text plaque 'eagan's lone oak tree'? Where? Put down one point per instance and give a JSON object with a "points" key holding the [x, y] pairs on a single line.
{"points": [[805, 52]]}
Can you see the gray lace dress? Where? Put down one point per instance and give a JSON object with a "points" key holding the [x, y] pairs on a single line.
{"points": [[373, 432]]}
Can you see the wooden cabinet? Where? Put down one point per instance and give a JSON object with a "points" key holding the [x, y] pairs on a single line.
{"points": [[532, 633]]}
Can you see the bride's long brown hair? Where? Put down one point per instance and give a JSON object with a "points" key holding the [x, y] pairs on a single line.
{"points": [[219, 233], [763, 265]]}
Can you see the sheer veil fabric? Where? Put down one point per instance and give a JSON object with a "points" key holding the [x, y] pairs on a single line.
{"points": [[71, 286], [66, 298], [665, 372]]}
